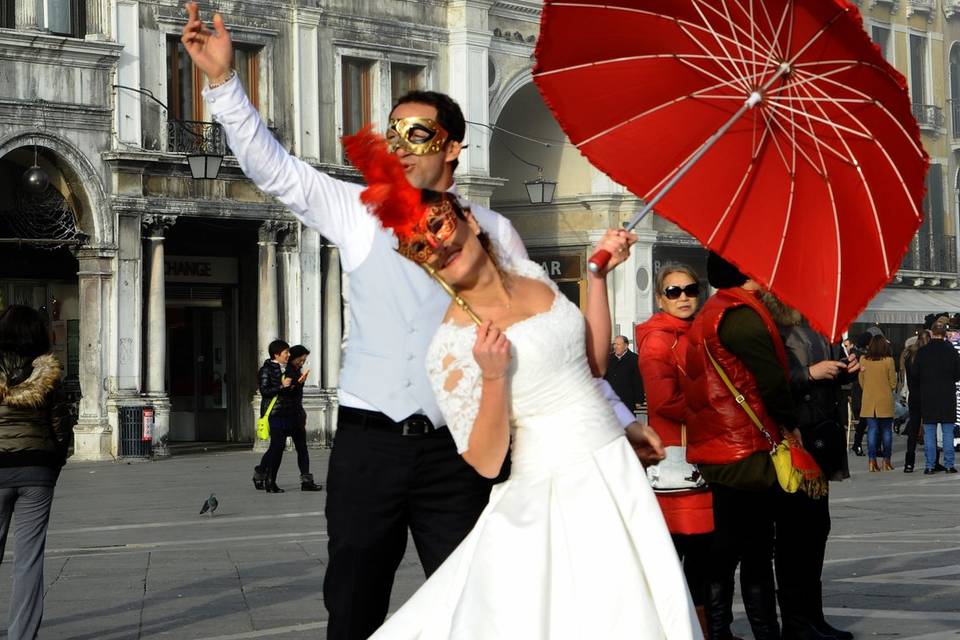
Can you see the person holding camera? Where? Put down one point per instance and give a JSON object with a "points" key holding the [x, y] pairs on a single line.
{"points": [[818, 370]]}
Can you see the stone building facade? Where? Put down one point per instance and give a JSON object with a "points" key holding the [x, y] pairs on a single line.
{"points": [[171, 287]]}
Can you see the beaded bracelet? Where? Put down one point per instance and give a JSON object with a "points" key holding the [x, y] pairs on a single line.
{"points": [[230, 76]]}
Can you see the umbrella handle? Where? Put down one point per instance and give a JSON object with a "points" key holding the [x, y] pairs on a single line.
{"points": [[598, 261]]}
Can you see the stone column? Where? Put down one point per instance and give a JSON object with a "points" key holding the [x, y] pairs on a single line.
{"points": [[28, 15], [268, 302], [155, 227], [289, 278], [468, 49], [267, 295], [332, 317], [92, 433]]}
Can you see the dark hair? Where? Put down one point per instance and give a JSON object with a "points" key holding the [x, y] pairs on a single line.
{"points": [[276, 348], [449, 114], [24, 331], [625, 339], [878, 349], [298, 350]]}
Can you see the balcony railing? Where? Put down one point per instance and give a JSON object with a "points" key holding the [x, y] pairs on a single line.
{"points": [[926, 7], [937, 256], [929, 116], [192, 136]]}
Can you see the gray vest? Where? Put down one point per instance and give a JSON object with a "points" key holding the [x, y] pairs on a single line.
{"points": [[395, 308]]}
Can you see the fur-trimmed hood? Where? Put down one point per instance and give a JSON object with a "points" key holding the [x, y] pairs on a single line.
{"points": [[34, 391]]}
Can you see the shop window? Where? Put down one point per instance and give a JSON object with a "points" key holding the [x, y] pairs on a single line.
{"points": [[66, 17]]}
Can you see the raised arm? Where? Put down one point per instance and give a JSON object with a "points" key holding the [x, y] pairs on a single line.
{"points": [[597, 314], [331, 206]]}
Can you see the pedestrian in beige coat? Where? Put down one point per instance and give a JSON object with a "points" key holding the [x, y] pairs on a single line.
{"points": [[878, 378]]}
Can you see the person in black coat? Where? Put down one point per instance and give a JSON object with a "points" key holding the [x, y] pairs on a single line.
{"points": [[818, 370], [938, 366], [283, 416], [623, 373]]}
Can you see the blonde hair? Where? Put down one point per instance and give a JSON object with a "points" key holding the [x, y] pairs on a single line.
{"points": [[674, 267]]}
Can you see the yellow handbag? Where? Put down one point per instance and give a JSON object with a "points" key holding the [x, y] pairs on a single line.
{"points": [[795, 467], [263, 423]]}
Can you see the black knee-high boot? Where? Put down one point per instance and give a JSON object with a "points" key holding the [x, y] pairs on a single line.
{"points": [[719, 610], [760, 604]]}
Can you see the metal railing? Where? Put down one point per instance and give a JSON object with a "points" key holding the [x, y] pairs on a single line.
{"points": [[935, 255], [921, 6], [193, 136], [929, 116]]}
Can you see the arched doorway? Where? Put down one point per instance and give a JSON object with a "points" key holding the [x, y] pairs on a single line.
{"points": [[40, 230]]}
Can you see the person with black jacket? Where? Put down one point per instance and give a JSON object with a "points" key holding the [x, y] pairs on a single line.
{"points": [[818, 370], [297, 374], [623, 373], [938, 366], [35, 430], [283, 415], [909, 366]]}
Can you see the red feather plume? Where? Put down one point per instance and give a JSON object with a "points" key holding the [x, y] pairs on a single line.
{"points": [[389, 195]]}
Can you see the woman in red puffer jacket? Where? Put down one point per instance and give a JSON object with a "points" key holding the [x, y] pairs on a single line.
{"points": [[684, 498]]}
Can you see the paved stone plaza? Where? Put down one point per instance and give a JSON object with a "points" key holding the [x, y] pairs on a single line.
{"points": [[128, 556]]}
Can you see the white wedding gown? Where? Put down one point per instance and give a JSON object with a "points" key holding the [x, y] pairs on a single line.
{"points": [[572, 545]]}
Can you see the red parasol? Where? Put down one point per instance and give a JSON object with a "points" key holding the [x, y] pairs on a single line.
{"points": [[772, 130]]}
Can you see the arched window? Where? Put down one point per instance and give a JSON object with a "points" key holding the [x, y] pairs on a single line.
{"points": [[955, 88]]}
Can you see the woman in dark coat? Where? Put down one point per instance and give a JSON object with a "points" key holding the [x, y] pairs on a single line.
{"points": [[34, 437], [912, 374], [938, 366], [818, 370]]}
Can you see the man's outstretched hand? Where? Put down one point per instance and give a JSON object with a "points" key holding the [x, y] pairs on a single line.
{"points": [[646, 443], [211, 51]]}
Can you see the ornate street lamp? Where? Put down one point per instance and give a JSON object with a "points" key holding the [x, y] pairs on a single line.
{"points": [[204, 165], [540, 191]]}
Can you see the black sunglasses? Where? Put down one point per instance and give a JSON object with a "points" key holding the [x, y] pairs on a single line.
{"points": [[673, 293]]}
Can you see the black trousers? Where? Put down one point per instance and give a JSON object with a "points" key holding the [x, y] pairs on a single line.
{"points": [[282, 427], [913, 429], [694, 553], [802, 527], [379, 484], [743, 534]]}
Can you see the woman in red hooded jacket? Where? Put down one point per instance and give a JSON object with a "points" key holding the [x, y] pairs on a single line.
{"points": [[684, 498]]}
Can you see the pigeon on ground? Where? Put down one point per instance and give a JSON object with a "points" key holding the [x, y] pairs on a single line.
{"points": [[209, 505]]}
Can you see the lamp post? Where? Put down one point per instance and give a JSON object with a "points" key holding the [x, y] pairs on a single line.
{"points": [[203, 158]]}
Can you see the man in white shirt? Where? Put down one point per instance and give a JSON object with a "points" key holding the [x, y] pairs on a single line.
{"points": [[394, 465]]}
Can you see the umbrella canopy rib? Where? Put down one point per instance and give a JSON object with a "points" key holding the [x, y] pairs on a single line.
{"points": [[866, 185], [886, 154]]}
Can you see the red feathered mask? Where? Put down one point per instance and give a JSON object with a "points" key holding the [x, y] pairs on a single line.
{"points": [[419, 226]]}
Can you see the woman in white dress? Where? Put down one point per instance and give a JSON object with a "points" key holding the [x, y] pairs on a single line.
{"points": [[573, 544]]}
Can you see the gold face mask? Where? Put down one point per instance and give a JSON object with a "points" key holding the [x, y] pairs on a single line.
{"points": [[419, 136], [438, 223]]}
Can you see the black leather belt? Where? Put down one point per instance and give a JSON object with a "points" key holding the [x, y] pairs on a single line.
{"points": [[415, 425]]}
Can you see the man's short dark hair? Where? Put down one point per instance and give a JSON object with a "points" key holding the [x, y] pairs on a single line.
{"points": [[449, 114], [277, 347], [24, 331], [625, 339]]}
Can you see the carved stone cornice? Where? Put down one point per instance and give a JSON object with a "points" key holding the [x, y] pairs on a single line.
{"points": [[274, 231], [155, 225], [35, 46]]}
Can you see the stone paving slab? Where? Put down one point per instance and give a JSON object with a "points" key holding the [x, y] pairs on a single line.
{"points": [[129, 557]]}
